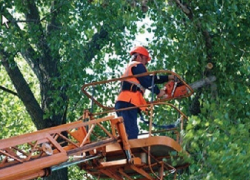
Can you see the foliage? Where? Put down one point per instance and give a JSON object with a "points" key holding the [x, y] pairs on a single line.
{"points": [[14, 118], [66, 44]]}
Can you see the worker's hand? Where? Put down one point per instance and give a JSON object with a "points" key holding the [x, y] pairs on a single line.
{"points": [[161, 94], [171, 77], [175, 78]]}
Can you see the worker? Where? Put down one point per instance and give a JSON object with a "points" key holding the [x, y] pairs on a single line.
{"points": [[132, 89]]}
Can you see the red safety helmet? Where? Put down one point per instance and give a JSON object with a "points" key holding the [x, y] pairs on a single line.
{"points": [[140, 50]]}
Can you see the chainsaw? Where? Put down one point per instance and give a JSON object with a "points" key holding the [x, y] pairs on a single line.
{"points": [[178, 89]]}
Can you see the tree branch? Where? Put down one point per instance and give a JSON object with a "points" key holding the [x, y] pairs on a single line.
{"points": [[54, 12], [208, 40], [185, 9], [8, 90], [208, 43], [96, 43], [30, 55], [32, 13], [23, 89]]}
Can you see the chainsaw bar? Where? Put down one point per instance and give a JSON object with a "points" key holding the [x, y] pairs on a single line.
{"points": [[203, 82]]}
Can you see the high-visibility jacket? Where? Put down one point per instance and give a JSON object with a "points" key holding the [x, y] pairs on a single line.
{"points": [[135, 98]]}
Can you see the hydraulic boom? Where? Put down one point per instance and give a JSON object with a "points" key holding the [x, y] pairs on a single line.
{"points": [[100, 146]]}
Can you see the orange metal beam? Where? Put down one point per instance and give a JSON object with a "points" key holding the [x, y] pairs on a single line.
{"points": [[111, 173], [121, 162], [24, 169], [121, 171], [141, 171], [38, 156], [29, 137]]}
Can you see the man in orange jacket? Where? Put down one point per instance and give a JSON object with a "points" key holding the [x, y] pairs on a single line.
{"points": [[132, 90]]}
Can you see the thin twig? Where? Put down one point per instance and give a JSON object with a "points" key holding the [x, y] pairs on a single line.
{"points": [[9, 91]]}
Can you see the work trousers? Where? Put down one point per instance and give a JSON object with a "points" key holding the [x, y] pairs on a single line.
{"points": [[129, 117]]}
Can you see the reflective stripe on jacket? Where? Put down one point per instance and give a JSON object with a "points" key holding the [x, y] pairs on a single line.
{"points": [[135, 98]]}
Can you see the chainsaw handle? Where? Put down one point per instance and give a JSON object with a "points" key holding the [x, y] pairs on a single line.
{"points": [[176, 79]]}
